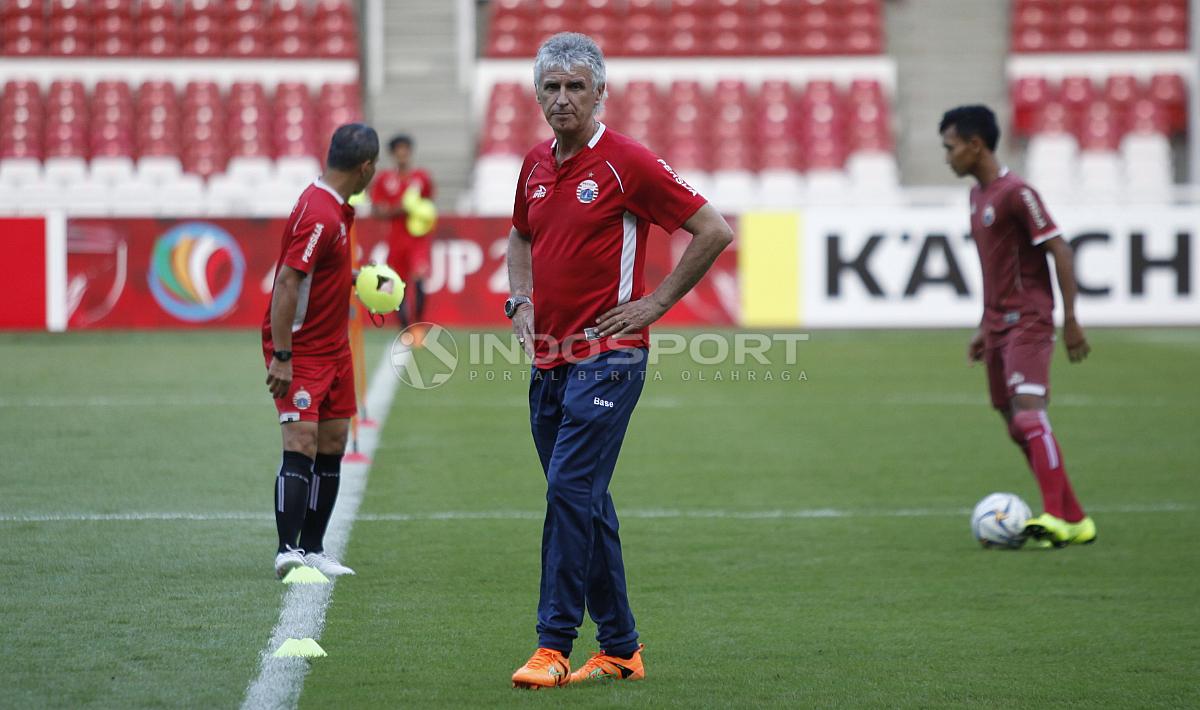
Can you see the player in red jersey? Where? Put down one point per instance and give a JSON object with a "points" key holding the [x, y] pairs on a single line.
{"points": [[1013, 233], [306, 344], [408, 254], [576, 255]]}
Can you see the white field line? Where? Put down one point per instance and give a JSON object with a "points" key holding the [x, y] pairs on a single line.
{"points": [[280, 680], [632, 513]]}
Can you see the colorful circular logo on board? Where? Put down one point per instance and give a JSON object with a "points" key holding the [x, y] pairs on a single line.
{"points": [[989, 216], [587, 191], [196, 272], [302, 399]]}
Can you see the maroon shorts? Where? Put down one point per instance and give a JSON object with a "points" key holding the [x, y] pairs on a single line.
{"points": [[1018, 362], [322, 388]]}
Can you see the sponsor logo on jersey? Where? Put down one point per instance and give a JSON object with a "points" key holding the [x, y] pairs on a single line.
{"points": [[683, 183], [602, 402], [312, 241], [587, 191], [302, 399], [539, 192], [989, 216], [1035, 210]]}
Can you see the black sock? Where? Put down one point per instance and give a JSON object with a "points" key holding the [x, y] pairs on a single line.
{"points": [[291, 497], [419, 301], [327, 473]]}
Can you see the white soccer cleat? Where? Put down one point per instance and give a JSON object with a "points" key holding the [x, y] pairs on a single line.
{"points": [[287, 561], [328, 564]]}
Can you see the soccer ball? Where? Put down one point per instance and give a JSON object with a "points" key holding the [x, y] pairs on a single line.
{"points": [[999, 519], [379, 288]]}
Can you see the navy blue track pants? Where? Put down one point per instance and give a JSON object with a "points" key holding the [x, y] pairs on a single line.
{"points": [[579, 413]]}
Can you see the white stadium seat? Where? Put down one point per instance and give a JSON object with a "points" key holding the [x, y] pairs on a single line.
{"points": [[111, 170], [134, 196], [874, 178], [1050, 164], [780, 189], [733, 189], [1099, 176], [297, 171], [250, 171], [495, 176], [90, 198], [1148, 171], [184, 196], [159, 168], [65, 171], [828, 186], [19, 171]]}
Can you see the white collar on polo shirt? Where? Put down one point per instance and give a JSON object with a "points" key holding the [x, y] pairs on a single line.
{"points": [[325, 186]]}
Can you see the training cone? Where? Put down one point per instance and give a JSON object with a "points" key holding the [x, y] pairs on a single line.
{"points": [[305, 575], [300, 648]]}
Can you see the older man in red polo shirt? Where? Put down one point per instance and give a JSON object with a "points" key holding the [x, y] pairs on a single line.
{"points": [[576, 256]]}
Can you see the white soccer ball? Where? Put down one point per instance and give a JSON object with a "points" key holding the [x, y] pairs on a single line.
{"points": [[999, 519]]}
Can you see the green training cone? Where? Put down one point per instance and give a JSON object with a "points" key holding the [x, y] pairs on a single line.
{"points": [[305, 575], [300, 648]]}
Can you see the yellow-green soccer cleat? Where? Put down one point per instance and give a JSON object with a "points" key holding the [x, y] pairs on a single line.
{"points": [[1083, 532], [1048, 527]]}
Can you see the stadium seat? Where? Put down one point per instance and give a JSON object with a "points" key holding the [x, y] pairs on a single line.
{"points": [[16, 171], [111, 169]]}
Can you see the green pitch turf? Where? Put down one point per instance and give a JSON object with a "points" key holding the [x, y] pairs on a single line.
{"points": [[799, 542]]}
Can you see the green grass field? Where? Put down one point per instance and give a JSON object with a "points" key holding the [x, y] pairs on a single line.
{"points": [[745, 593]]}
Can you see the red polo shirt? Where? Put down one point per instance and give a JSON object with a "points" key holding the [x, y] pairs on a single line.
{"points": [[588, 220], [315, 243]]}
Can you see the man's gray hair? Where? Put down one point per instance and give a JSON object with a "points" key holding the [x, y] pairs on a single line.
{"points": [[566, 51]]}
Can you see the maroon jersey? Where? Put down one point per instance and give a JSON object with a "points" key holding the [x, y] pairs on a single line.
{"points": [[588, 220], [1009, 223], [316, 242]]}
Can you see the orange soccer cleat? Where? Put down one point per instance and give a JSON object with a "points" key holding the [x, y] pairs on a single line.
{"points": [[546, 668], [604, 667]]}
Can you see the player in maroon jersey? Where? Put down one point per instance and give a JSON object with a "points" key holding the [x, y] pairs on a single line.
{"points": [[408, 253], [1013, 233], [306, 344]]}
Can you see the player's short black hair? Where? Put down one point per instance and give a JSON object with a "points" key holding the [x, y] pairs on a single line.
{"points": [[971, 121], [352, 145], [400, 139]]}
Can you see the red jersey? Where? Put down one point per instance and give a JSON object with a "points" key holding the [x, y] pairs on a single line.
{"points": [[388, 190], [316, 242], [588, 220], [1009, 223]]}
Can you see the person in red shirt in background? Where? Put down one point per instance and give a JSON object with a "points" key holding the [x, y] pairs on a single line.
{"points": [[306, 346], [1014, 233], [408, 253]]}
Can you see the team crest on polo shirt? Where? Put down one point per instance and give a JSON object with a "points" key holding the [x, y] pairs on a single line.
{"points": [[587, 191], [302, 399], [989, 216]]}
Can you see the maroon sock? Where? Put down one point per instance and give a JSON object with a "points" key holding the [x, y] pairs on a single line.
{"points": [[1045, 458]]}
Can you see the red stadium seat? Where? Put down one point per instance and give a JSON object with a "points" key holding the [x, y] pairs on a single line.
{"points": [[1170, 92], [1054, 117], [1028, 96], [1100, 128], [1077, 92], [1145, 115]]}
